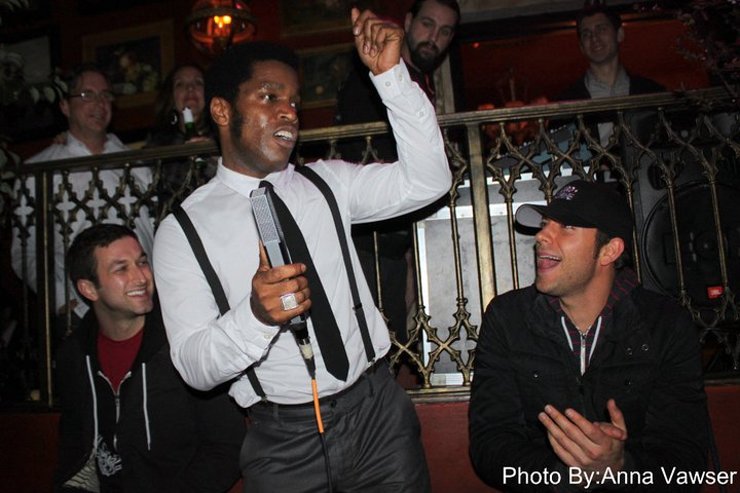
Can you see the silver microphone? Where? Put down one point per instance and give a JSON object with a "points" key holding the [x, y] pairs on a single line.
{"points": [[271, 234]]}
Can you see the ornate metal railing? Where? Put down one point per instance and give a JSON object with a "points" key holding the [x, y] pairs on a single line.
{"points": [[674, 156]]}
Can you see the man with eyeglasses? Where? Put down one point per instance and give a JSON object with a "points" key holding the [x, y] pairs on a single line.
{"points": [[88, 109]]}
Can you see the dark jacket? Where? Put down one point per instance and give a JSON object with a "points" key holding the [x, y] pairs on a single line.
{"points": [[168, 438], [648, 360], [638, 85]]}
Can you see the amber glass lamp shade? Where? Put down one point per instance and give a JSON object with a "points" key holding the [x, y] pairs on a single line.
{"points": [[214, 25]]}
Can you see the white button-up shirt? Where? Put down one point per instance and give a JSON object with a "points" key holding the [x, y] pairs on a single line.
{"points": [[208, 349]]}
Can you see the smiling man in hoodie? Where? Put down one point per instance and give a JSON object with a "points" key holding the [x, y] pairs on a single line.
{"points": [[129, 423]]}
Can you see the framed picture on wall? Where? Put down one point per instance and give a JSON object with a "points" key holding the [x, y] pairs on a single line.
{"points": [[136, 59], [322, 72], [312, 16], [27, 62]]}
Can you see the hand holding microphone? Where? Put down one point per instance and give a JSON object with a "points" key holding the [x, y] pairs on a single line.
{"points": [[270, 284], [280, 274]]}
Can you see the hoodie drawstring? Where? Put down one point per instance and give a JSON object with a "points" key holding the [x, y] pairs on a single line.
{"points": [[95, 401], [146, 408]]}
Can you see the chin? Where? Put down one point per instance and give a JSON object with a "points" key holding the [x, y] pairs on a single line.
{"points": [[542, 286]]}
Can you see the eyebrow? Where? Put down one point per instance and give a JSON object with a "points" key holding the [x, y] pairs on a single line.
{"points": [[604, 23], [269, 84], [432, 19], [117, 263]]}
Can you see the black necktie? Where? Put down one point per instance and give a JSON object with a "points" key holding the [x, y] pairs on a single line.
{"points": [[324, 323]]}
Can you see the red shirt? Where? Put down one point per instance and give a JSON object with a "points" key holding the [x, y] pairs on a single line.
{"points": [[116, 357]]}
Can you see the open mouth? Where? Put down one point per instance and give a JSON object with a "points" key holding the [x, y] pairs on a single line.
{"points": [[286, 137], [545, 261]]}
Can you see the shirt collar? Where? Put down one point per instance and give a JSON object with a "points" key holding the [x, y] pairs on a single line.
{"points": [[599, 89], [112, 143], [244, 184]]}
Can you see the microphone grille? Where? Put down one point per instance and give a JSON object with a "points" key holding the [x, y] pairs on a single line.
{"points": [[263, 216]]}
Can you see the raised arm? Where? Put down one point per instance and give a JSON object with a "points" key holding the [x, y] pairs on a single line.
{"points": [[421, 175], [378, 41]]}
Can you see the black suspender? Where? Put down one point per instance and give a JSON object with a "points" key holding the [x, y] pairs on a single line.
{"points": [[217, 288], [359, 312]]}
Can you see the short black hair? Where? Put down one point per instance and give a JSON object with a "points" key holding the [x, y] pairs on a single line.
{"points": [[72, 79], [597, 8], [416, 7], [80, 257], [235, 66], [624, 260]]}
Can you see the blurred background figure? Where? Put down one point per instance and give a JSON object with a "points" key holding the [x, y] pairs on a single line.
{"points": [[600, 34], [180, 119]]}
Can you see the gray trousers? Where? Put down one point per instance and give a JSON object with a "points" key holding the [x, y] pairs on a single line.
{"points": [[372, 435]]}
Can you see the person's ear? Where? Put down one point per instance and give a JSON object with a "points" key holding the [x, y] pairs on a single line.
{"points": [[64, 107], [407, 22], [620, 34], [611, 251], [220, 112], [87, 289]]}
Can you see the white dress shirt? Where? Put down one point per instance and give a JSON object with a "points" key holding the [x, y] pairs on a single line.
{"points": [[80, 183], [208, 350]]}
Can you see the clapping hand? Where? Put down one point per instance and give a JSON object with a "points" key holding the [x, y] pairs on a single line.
{"points": [[580, 443]]}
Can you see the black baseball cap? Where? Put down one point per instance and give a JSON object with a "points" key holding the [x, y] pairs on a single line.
{"points": [[584, 204]]}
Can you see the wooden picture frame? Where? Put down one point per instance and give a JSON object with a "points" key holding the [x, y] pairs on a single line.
{"points": [[323, 71], [136, 60], [28, 60], [313, 16]]}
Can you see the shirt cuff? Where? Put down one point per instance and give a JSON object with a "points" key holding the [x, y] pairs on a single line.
{"points": [[254, 341], [391, 83]]}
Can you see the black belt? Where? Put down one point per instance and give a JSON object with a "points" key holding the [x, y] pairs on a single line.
{"points": [[375, 368]]}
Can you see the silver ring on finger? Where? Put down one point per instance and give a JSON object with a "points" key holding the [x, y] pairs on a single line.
{"points": [[289, 301]]}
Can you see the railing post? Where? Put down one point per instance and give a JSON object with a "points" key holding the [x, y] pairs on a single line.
{"points": [[45, 283], [481, 216]]}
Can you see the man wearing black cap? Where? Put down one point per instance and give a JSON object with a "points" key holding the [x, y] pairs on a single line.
{"points": [[585, 379]]}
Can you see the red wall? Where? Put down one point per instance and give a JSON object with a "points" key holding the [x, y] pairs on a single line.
{"points": [[28, 445], [545, 64]]}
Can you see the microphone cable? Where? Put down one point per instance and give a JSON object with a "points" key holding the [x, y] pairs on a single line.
{"points": [[300, 332]]}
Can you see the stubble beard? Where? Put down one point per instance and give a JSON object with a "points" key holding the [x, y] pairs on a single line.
{"points": [[245, 157], [425, 64]]}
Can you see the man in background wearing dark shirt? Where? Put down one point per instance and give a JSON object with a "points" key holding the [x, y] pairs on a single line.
{"points": [[600, 35]]}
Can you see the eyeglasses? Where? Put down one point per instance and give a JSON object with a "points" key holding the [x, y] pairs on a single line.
{"points": [[92, 96]]}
